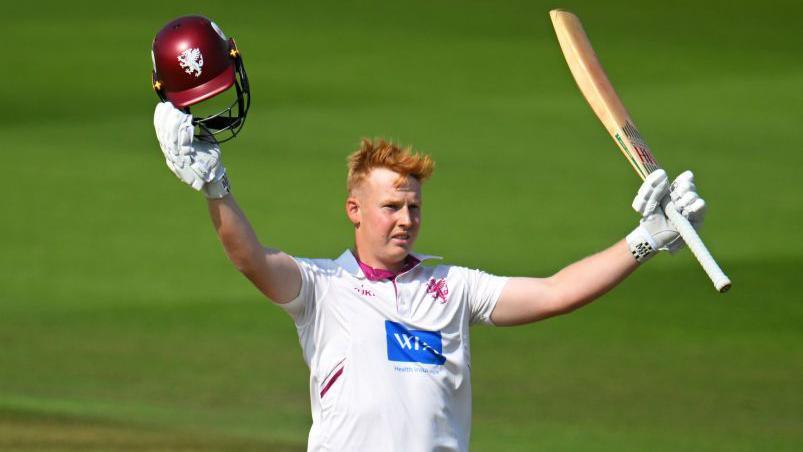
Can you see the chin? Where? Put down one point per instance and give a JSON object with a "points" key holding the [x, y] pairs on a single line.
{"points": [[398, 253]]}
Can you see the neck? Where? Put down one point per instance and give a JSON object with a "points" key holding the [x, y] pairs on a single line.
{"points": [[378, 264], [386, 272]]}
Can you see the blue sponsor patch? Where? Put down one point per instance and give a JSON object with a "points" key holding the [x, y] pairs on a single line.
{"points": [[413, 346]]}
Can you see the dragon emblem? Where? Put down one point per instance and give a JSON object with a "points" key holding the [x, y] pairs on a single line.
{"points": [[438, 289], [191, 61]]}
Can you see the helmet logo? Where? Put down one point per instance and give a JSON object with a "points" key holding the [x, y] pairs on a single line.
{"points": [[191, 61]]}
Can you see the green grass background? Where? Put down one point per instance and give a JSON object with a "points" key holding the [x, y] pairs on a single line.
{"points": [[123, 327]]}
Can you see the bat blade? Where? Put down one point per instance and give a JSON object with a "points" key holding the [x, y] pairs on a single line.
{"points": [[600, 95]]}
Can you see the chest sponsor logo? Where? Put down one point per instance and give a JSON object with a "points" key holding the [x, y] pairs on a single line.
{"points": [[413, 346]]}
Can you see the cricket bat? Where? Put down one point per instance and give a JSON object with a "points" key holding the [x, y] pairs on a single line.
{"points": [[594, 84]]}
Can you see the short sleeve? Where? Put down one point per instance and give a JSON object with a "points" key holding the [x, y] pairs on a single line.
{"points": [[483, 291], [302, 307]]}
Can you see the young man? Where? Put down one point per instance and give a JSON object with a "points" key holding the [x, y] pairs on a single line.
{"points": [[387, 339]]}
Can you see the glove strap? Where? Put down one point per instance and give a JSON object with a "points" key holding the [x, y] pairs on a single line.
{"points": [[641, 244], [217, 189]]}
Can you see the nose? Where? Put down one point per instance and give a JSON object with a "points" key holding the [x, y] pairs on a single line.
{"points": [[405, 219]]}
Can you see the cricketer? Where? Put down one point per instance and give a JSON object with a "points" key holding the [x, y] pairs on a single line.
{"points": [[385, 337]]}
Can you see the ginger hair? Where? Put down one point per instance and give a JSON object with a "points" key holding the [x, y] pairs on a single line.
{"points": [[384, 154]]}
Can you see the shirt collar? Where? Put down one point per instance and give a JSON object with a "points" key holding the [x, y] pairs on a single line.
{"points": [[348, 262]]}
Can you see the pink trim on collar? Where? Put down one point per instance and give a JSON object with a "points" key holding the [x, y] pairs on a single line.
{"points": [[378, 274]]}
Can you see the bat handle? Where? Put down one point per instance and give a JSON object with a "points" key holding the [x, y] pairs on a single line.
{"points": [[697, 247]]}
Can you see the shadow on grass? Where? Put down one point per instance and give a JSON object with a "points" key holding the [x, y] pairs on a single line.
{"points": [[25, 431]]}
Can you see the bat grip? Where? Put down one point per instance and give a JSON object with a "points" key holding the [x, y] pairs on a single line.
{"points": [[697, 247]]}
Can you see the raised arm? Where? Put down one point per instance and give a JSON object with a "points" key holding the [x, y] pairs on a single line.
{"points": [[197, 163], [526, 300], [273, 272]]}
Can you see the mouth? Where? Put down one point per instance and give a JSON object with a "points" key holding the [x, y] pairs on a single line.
{"points": [[401, 238]]}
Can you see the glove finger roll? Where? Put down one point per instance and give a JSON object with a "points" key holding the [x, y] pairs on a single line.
{"points": [[683, 177], [650, 192], [658, 193], [695, 212], [681, 190], [686, 200], [682, 183]]}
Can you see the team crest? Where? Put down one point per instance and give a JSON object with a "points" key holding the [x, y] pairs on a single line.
{"points": [[191, 61], [438, 289]]}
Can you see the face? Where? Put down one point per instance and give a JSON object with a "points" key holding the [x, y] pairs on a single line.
{"points": [[386, 217]]}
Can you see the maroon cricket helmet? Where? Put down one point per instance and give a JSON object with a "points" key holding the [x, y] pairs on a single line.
{"points": [[194, 61]]}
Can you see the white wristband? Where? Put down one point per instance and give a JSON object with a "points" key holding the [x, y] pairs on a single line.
{"points": [[641, 244], [217, 189]]}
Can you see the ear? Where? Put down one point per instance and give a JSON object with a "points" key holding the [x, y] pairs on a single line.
{"points": [[353, 210]]}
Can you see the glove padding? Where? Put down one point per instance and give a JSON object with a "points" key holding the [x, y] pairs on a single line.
{"points": [[196, 163], [655, 231]]}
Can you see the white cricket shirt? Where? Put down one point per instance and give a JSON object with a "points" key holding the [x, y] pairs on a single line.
{"points": [[390, 363]]}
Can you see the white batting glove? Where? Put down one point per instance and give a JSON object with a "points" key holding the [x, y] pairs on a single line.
{"points": [[655, 232], [196, 163]]}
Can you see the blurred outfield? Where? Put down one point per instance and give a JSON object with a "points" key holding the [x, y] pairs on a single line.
{"points": [[123, 327]]}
